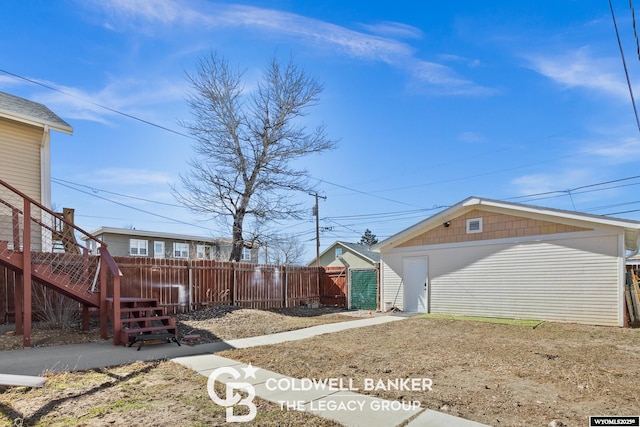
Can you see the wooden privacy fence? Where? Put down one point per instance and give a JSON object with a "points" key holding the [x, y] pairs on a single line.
{"points": [[186, 285], [333, 286]]}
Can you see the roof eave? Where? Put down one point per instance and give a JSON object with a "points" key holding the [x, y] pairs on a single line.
{"points": [[629, 226], [38, 123]]}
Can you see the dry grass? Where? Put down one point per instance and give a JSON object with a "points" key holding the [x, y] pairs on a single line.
{"points": [[498, 374]]}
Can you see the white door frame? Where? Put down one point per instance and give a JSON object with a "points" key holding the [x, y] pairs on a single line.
{"points": [[416, 288]]}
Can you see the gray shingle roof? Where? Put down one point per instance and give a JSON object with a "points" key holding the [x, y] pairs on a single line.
{"points": [[22, 109], [362, 250]]}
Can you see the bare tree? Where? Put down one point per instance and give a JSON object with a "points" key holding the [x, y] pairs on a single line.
{"points": [[248, 143], [284, 250]]}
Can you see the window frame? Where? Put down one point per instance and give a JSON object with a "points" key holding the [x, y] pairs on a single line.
{"points": [[471, 230], [180, 253], [203, 251], [159, 254], [139, 244]]}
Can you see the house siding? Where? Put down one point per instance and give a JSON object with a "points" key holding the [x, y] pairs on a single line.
{"points": [[349, 259], [391, 288], [572, 277], [20, 156], [495, 225], [119, 245]]}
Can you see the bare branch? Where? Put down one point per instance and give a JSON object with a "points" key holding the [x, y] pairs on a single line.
{"points": [[247, 144]]}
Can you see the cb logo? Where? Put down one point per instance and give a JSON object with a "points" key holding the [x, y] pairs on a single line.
{"points": [[232, 398]]}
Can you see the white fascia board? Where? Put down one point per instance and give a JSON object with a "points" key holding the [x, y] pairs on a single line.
{"points": [[38, 123]]}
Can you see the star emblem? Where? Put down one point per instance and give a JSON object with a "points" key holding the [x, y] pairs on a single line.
{"points": [[250, 371]]}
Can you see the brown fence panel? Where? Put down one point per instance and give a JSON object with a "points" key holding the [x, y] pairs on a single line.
{"points": [[211, 283], [166, 280], [333, 287], [258, 286], [182, 285], [303, 286]]}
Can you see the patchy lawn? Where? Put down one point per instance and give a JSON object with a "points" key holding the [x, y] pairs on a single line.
{"points": [[502, 375], [517, 374], [149, 394]]}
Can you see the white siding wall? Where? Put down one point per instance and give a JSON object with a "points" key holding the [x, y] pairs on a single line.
{"points": [[563, 279], [391, 286]]}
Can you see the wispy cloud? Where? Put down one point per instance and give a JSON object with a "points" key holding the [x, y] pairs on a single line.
{"points": [[472, 137], [625, 151], [394, 29], [127, 176], [129, 96], [382, 41], [551, 182], [581, 69]]}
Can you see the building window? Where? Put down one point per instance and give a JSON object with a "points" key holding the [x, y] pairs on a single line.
{"points": [[246, 254], [474, 225], [203, 252], [158, 249], [338, 252], [94, 247], [138, 247], [181, 250]]}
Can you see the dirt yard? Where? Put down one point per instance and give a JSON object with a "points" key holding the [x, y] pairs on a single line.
{"points": [[502, 375]]}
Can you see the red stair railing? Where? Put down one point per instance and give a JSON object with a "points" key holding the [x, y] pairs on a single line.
{"points": [[32, 242]]}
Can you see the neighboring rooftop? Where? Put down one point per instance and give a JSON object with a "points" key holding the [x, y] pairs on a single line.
{"points": [[362, 250], [34, 113], [156, 234]]}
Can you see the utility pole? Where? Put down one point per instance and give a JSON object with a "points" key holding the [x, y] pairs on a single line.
{"points": [[316, 213]]}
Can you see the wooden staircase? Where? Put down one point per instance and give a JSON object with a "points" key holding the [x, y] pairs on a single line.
{"points": [[142, 319], [39, 245]]}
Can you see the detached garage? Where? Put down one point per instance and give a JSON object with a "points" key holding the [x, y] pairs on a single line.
{"points": [[490, 258]]}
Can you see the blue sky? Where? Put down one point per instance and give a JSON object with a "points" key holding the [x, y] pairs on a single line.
{"points": [[432, 102]]}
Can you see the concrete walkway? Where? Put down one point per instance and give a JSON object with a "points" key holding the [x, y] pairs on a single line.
{"points": [[327, 402], [339, 403]]}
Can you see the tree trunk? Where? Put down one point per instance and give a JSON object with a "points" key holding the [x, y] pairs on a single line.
{"points": [[237, 241]]}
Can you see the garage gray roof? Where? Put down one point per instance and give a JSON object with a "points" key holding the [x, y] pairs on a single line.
{"points": [[23, 110]]}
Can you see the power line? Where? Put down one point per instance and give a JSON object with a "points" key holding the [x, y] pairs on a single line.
{"points": [[132, 207], [624, 64], [635, 31], [113, 110], [552, 194], [98, 190]]}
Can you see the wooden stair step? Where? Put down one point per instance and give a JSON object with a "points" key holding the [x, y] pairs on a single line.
{"points": [[146, 319], [142, 309]]}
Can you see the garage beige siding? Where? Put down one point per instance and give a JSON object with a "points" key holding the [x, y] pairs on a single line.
{"points": [[574, 280], [20, 156], [495, 226]]}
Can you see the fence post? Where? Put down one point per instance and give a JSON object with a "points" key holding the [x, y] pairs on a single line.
{"points": [[190, 285], [285, 270], [233, 285]]}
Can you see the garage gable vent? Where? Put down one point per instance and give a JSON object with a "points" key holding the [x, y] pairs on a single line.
{"points": [[474, 225]]}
